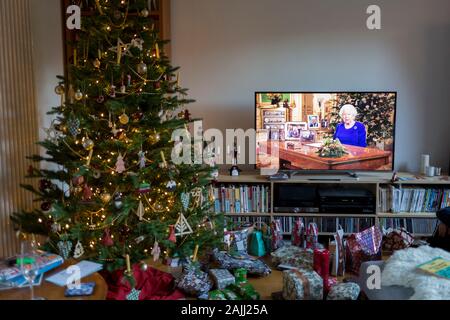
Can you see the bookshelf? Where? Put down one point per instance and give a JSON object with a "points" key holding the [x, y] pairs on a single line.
{"points": [[420, 223]]}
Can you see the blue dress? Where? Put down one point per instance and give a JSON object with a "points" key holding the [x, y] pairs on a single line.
{"points": [[355, 136]]}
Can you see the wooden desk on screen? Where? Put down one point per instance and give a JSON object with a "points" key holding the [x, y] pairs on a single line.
{"points": [[305, 157], [51, 291]]}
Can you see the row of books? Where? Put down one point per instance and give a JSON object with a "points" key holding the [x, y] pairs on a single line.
{"points": [[329, 224], [412, 199], [242, 199], [413, 225]]}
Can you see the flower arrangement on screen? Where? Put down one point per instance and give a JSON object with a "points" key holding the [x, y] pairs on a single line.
{"points": [[331, 149]]}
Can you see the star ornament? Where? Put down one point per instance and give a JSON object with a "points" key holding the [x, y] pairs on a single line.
{"points": [[134, 294], [52, 134], [124, 48]]}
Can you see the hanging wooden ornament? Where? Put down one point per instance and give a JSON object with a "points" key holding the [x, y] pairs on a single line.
{"points": [[79, 250], [140, 210], [141, 155], [156, 251], [182, 226], [197, 197]]}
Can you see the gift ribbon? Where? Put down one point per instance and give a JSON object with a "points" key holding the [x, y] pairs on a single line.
{"points": [[305, 281]]}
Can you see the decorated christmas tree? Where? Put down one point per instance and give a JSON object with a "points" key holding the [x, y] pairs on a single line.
{"points": [[116, 193], [374, 111]]}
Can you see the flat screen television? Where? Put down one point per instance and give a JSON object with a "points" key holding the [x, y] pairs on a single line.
{"points": [[323, 131]]}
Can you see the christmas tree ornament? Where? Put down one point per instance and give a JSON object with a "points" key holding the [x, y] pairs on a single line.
{"points": [[124, 119], [78, 95], [134, 294], [129, 80], [143, 266], [197, 197], [96, 174], [97, 63], [139, 239], [118, 200], [171, 186], [142, 159], [140, 210], [120, 164], [100, 99], [107, 241], [137, 116], [182, 226], [163, 164], [59, 89], [144, 187], [46, 207], [79, 250], [87, 193], [45, 185], [56, 227], [112, 92], [64, 247], [157, 85], [123, 89], [77, 180], [156, 251], [144, 13], [105, 197], [142, 68], [87, 143], [185, 198], [74, 126], [172, 236]]}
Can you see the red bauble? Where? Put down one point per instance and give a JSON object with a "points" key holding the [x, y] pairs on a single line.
{"points": [[87, 193], [172, 236], [107, 240], [46, 206], [44, 184], [77, 180]]}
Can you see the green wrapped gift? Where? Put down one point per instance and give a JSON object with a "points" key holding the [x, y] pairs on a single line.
{"points": [[217, 295], [240, 275], [246, 291], [231, 295]]}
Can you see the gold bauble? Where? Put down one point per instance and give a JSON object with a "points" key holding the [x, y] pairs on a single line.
{"points": [[59, 89], [124, 119], [78, 95], [97, 63], [106, 197]]}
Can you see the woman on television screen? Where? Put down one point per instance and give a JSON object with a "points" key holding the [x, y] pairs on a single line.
{"points": [[350, 132]]}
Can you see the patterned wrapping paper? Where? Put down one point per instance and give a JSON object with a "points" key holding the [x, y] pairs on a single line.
{"points": [[194, 282], [302, 284], [293, 256], [397, 239], [252, 265], [298, 233], [222, 278], [277, 234], [363, 246], [344, 291], [312, 236]]}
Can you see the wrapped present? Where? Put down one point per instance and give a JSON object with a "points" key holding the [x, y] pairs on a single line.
{"points": [[256, 247], [276, 234], [267, 238], [328, 284], [337, 253], [301, 284], [397, 239], [222, 278], [363, 246], [251, 264], [344, 291], [240, 275], [193, 281], [246, 291], [216, 295], [298, 233], [231, 295], [239, 241], [312, 236], [293, 256], [321, 264]]}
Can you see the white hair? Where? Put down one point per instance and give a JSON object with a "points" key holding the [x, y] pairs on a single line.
{"points": [[349, 108]]}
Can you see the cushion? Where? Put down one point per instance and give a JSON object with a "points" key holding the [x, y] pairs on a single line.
{"points": [[344, 291]]}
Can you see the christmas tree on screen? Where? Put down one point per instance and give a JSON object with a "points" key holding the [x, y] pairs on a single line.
{"points": [[117, 194]]}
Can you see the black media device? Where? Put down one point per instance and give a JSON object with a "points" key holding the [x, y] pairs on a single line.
{"points": [[289, 197], [346, 200]]}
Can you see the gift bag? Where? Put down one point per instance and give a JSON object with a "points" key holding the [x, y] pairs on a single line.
{"points": [[277, 235], [193, 281], [337, 253], [312, 236], [256, 247], [298, 233], [397, 239], [363, 246]]}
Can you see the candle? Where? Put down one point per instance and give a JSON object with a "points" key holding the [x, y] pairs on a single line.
{"points": [[74, 57], [195, 253], [157, 51], [127, 257], [178, 79], [163, 158], [119, 51]]}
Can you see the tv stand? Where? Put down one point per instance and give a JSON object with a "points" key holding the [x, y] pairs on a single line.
{"points": [[321, 176]]}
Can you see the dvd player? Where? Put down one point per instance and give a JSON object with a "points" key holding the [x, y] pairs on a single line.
{"points": [[346, 200]]}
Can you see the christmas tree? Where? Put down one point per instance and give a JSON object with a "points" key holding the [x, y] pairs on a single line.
{"points": [[116, 194], [375, 111]]}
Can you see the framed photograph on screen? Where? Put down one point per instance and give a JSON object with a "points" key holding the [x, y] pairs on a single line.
{"points": [[292, 130], [308, 136], [313, 121]]}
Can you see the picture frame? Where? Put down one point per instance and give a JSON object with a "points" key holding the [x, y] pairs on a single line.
{"points": [[308, 136], [313, 122], [293, 129]]}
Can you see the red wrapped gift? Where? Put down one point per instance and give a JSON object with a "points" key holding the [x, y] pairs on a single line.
{"points": [[328, 284], [298, 233], [363, 246], [321, 263], [277, 235], [397, 239], [312, 235]]}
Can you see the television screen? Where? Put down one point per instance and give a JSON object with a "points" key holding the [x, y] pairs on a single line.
{"points": [[350, 131]]}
